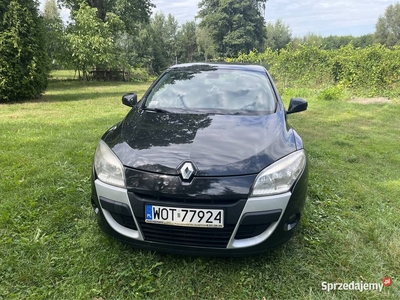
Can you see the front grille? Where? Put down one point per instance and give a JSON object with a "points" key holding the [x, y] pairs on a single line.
{"points": [[146, 197], [187, 236]]}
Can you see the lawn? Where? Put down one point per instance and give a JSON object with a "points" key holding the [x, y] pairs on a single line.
{"points": [[52, 248]]}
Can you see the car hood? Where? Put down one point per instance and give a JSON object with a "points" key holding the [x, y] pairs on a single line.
{"points": [[218, 145]]}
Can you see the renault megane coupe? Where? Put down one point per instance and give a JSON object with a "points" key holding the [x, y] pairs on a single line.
{"points": [[204, 164]]}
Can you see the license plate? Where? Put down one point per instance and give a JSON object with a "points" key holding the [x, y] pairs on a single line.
{"points": [[184, 216]]}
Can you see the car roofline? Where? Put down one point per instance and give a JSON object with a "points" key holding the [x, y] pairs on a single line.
{"points": [[221, 65]]}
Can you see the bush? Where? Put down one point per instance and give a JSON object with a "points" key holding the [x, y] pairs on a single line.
{"points": [[140, 75], [332, 93], [24, 64], [373, 70]]}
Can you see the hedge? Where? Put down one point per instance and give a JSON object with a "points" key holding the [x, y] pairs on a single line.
{"points": [[374, 70]]}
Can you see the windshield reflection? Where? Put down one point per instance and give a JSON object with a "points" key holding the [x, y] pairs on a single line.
{"points": [[205, 87], [148, 130]]}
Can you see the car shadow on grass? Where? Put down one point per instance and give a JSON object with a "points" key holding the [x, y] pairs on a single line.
{"points": [[79, 97]]}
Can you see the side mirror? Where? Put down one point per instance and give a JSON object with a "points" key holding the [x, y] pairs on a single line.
{"points": [[129, 99], [297, 105]]}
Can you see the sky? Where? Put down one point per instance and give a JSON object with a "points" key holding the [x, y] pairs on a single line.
{"points": [[333, 17]]}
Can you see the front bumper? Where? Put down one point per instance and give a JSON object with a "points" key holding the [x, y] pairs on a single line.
{"points": [[252, 225]]}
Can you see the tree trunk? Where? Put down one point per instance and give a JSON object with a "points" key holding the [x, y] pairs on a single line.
{"points": [[99, 4], [84, 75]]}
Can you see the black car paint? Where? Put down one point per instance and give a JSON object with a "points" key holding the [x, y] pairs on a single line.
{"points": [[218, 145], [152, 145]]}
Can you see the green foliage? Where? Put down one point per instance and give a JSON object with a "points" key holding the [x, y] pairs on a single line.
{"points": [[51, 10], [143, 47], [164, 30], [139, 75], [388, 26], [234, 25], [155, 46], [55, 37], [51, 246], [334, 42], [310, 38], [105, 33], [363, 41], [205, 43], [373, 70], [24, 64], [278, 35], [332, 93], [91, 41], [162, 43], [187, 43], [132, 12]]}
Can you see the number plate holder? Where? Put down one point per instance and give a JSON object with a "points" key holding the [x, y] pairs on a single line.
{"points": [[191, 217]]}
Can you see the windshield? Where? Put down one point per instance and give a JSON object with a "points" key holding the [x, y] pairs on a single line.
{"points": [[211, 89]]}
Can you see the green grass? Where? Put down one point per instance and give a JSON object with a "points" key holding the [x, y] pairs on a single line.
{"points": [[63, 75], [52, 248]]}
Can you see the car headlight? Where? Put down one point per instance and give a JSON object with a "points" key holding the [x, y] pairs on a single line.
{"points": [[108, 167], [280, 176]]}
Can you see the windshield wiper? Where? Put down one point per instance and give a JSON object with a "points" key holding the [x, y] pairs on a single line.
{"points": [[241, 112], [155, 109]]}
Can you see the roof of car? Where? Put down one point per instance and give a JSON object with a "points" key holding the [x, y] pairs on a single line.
{"points": [[206, 65]]}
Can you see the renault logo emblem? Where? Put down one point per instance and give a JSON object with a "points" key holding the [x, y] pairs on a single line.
{"points": [[187, 170]]}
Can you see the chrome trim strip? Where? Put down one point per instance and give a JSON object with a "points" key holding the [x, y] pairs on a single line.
{"points": [[120, 195], [257, 204]]}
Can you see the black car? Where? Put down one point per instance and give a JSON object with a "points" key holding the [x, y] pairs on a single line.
{"points": [[205, 163]]}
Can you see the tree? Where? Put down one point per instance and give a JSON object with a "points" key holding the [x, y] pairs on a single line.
{"points": [[278, 35], [142, 48], [388, 27], [334, 42], [51, 10], [156, 43], [309, 39], [54, 29], [131, 12], [90, 40], [205, 43], [24, 64], [186, 40], [234, 25], [364, 41], [167, 30]]}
